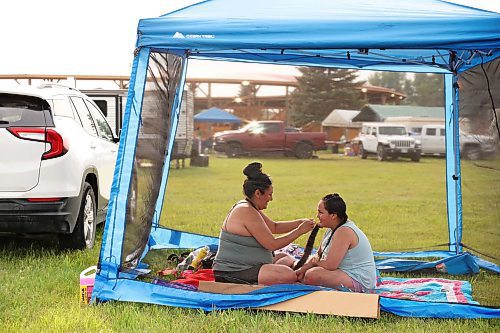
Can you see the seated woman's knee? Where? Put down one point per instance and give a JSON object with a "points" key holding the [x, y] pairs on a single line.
{"points": [[273, 274], [313, 276]]}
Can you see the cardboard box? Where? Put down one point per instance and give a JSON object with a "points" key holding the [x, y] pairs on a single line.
{"points": [[319, 302]]}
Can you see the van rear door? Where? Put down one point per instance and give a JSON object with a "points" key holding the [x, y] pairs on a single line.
{"points": [[23, 121]]}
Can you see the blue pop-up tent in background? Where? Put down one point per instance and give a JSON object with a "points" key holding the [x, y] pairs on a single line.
{"points": [[216, 115], [428, 36]]}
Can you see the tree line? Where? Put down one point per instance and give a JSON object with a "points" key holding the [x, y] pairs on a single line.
{"points": [[321, 90]]}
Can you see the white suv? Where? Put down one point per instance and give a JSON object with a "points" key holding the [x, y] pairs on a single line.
{"points": [[57, 162], [387, 141]]}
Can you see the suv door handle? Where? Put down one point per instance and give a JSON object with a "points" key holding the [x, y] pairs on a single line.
{"points": [[92, 146]]}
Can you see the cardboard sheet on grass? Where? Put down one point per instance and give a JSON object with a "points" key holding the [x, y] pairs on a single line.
{"points": [[319, 302]]}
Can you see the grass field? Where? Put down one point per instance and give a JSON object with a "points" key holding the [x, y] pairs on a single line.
{"points": [[400, 205]]}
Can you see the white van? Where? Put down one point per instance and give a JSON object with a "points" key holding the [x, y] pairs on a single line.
{"points": [[472, 146]]}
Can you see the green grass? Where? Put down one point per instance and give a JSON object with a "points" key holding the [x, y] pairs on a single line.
{"points": [[400, 205]]}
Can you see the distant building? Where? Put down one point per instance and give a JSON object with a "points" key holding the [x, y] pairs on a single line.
{"points": [[414, 124], [379, 113], [338, 125], [413, 117]]}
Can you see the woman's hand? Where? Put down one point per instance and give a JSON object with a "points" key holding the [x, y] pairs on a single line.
{"points": [[301, 272], [311, 262], [315, 260], [306, 225]]}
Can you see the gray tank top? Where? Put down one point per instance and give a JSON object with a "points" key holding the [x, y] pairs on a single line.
{"points": [[237, 253], [358, 262]]}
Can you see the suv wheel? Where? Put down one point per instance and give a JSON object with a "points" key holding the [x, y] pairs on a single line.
{"points": [[234, 149], [303, 150], [362, 152], [381, 155], [415, 157], [83, 235]]}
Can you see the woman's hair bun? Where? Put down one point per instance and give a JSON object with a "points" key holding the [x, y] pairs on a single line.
{"points": [[256, 179], [253, 170]]}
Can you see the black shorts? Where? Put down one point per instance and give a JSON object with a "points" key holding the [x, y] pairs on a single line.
{"points": [[246, 276]]}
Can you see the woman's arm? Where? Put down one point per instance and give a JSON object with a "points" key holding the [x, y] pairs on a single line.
{"points": [[341, 241], [258, 228], [282, 226]]}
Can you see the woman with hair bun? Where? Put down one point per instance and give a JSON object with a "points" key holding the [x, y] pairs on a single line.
{"points": [[246, 242], [345, 257]]}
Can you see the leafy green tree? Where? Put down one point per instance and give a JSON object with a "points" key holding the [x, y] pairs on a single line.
{"points": [[322, 90], [427, 90], [392, 80], [409, 90], [421, 89]]}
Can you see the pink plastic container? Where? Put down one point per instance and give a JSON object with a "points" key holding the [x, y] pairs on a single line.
{"points": [[87, 278]]}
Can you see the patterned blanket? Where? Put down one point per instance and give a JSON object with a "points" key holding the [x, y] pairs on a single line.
{"points": [[426, 289]]}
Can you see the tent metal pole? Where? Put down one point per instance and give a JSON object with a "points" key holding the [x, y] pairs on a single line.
{"points": [[453, 175]]}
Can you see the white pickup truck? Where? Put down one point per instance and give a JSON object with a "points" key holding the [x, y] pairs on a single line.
{"points": [[472, 146]]}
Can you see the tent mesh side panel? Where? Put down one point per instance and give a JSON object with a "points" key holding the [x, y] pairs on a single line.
{"points": [[164, 74], [480, 152]]}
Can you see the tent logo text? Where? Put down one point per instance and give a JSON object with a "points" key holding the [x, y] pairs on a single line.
{"points": [[181, 35]]}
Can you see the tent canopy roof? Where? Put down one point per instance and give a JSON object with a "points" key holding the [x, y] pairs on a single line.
{"points": [[379, 35], [341, 118], [216, 115]]}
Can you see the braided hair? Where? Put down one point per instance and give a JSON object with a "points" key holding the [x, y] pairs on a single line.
{"points": [[308, 248], [334, 204], [256, 180]]}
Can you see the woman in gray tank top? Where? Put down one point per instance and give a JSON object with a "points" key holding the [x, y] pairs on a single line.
{"points": [[246, 241], [345, 257]]}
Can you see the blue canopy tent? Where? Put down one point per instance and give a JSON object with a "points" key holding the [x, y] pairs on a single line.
{"points": [[429, 36], [216, 115]]}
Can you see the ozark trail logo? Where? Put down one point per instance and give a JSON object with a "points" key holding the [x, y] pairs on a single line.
{"points": [[181, 35]]}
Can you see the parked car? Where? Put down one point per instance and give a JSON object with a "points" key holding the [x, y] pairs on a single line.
{"points": [[472, 146], [387, 140], [57, 163], [269, 136]]}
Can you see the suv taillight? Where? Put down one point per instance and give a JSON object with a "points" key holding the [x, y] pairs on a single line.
{"points": [[41, 134]]}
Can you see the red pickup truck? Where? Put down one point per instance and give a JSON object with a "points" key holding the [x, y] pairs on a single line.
{"points": [[269, 136]]}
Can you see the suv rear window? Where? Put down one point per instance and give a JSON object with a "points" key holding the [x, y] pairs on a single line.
{"points": [[21, 110]]}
